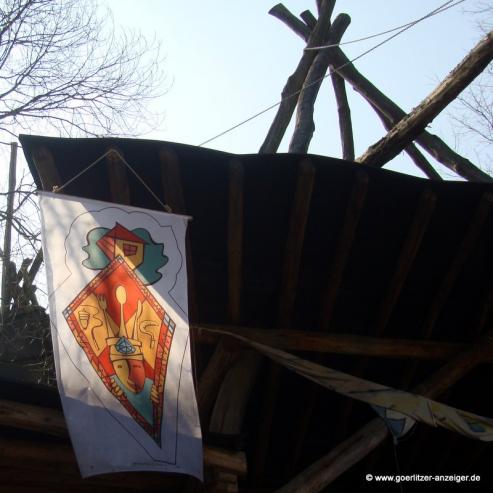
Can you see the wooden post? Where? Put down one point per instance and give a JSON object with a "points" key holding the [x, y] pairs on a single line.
{"points": [[6, 270]]}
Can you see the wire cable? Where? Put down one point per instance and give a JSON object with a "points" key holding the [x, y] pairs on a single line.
{"points": [[438, 10]]}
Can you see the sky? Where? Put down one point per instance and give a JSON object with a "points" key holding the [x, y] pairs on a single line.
{"points": [[227, 60]]}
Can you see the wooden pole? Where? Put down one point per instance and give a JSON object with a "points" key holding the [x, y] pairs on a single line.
{"points": [[431, 143], [7, 240], [320, 474], [344, 114], [323, 342], [305, 126], [293, 86], [415, 123]]}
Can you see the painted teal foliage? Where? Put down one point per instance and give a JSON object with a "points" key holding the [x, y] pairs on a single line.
{"points": [[154, 258], [96, 258], [148, 271]]}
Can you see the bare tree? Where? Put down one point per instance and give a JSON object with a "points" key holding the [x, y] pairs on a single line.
{"points": [[473, 113], [64, 63], [64, 69]]}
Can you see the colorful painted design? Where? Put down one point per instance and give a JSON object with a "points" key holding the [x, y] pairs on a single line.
{"points": [[124, 332], [137, 247]]}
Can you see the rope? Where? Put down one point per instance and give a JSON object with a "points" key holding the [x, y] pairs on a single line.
{"points": [[58, 189]]}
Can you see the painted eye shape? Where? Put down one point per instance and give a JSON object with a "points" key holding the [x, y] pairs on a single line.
{"points": [[119, 366]]}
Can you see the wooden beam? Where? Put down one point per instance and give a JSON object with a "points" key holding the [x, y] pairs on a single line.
{"points": [[45, 164], [235, 240], [323, 472], [412, 151], [343, 248], [293, 86], [308, 17], [344, 114], [463, 252], [212, 382], [288, 288], [280, 12], [117, 178], [174, 198], [431, 143], [323, 342], [422, 216], [415, 123], [305, 126], [294, 242], [51, 422]]}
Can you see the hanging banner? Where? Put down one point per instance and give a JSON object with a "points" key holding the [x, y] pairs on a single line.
{"points": [[398, 408], [117, 287]]}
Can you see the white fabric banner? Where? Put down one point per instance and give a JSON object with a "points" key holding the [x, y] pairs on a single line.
{"points": [[117, 286]]}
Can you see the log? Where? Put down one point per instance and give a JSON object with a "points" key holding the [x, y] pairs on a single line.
{"points": [[305, 126], [413, 152], [431, 143], [293, 86], [308, 17], [415, 123], [343, 248], [320, 474], [323, 342], [344, 114], [51, 422]]}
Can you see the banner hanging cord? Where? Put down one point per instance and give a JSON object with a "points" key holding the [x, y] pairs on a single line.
{"points": [[109, 152]]}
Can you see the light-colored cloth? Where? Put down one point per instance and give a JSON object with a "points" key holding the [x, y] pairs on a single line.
{"points": [[117, 286], [398, 404]]}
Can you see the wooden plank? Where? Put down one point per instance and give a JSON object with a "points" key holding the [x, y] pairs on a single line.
{"points": [[174, 198], [117, 178], [462, 254], [416, 121], [51, 422], [422, 216], [212, 383], [343, 248], [235, 240], [324, 471], [323, 342], [45, 164], [289, 282], [294, 242]]}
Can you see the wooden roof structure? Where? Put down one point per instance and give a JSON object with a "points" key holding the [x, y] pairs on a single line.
{"points": [[361, 269], [367, 271]]}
